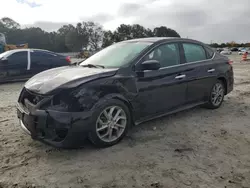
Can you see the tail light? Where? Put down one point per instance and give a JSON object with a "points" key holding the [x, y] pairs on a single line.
{"points": [[68, 59], [230, 62]]}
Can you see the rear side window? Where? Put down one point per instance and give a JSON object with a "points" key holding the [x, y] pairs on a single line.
{"points": [[194, 52], [43, 54], [17, 56]]}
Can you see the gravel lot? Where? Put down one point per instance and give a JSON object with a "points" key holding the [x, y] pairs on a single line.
{"points": [[198, 148]]}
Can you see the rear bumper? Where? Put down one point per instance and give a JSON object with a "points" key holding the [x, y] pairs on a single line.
{"points": [[59, 129]]}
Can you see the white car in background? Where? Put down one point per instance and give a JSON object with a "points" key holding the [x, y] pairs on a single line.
{"points": [[226, 52], [243, 51]]}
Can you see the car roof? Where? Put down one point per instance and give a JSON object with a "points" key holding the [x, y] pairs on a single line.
{"points": [[28, 49], [162, 39], [151, 39], [10, 52]]}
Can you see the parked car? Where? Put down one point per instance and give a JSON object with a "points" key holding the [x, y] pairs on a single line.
{"points": [[244, 51], [226, 52], [219, 50], [234, 49], [125, 84], [22, 64]]}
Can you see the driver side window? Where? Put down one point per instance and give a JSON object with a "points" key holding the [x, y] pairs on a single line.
{"points": [[167, 55]]}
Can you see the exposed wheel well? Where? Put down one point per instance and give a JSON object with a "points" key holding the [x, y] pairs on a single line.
{"points": [[224, 81]]}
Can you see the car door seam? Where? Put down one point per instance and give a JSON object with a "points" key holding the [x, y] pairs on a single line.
{"points": [[29, 61]]}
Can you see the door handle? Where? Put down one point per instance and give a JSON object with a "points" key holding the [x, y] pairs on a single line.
{"points": [[211, 70], [180, 76]]}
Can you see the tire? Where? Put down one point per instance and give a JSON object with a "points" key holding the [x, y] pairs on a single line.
{"points": [[99, 118], [212, 103]]}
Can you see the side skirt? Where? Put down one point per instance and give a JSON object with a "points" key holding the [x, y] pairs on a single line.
{"points": [[186, 107]]}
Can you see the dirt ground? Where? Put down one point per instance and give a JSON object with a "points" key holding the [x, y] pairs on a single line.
{"points": [[197, 148]]}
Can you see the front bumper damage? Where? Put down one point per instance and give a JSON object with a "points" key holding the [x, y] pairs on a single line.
{"points": [[59, 129]]}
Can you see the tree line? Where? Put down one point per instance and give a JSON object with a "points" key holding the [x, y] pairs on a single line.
{"points": [[73, 38], [229, 44]]}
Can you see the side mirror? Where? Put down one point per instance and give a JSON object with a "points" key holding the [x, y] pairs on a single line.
{"points": [[151, 65]]}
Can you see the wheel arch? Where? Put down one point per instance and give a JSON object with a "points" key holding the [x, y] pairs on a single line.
{"points": [[119, 97], [224, 81], [128, 104]]}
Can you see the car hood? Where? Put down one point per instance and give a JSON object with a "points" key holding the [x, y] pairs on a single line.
{"points": [[65, 77]]}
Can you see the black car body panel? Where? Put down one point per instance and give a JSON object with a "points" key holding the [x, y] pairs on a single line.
{"points": [[59, 103], [65, 77], [21, 64]]}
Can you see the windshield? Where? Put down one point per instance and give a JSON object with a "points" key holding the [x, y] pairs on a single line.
{"points": [[4, 54], [117, 55]]}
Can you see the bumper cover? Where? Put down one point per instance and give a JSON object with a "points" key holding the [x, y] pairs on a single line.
{"points": [[59, 129]]}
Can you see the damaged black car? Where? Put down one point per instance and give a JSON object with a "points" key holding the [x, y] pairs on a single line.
{"points": [[123, 85]]}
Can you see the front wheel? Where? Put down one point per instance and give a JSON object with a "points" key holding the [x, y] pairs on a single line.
{"points": [[216, 95], [110, 123]]}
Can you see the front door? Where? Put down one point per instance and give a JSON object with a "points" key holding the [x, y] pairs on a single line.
{"points": [[163, 90], [16, 65]]}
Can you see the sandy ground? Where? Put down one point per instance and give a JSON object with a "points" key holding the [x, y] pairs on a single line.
{"points": [[216, 151]]}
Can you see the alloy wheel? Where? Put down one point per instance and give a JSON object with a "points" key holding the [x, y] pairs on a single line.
{"points": [[111, 123], [217, 94]]}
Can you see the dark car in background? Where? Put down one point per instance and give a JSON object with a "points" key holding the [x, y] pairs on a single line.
{"points": [[125, 84], [22, 64], [234, 49]]}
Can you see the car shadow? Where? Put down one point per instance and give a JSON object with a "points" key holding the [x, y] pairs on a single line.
{"points": [[167, 128]]}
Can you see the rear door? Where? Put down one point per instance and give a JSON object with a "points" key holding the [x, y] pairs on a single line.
{"points": [[16, 65], [40, 61], [44, 60], [202, 71], [59, 60]]}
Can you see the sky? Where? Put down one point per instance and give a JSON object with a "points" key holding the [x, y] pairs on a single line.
{"points": [[204, 20]]}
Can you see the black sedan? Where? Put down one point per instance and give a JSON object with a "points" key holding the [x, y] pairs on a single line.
{"points": [[21, 64], [123, 85]]}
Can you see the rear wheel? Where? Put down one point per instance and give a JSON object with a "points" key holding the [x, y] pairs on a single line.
{"points": [[216, 95], [110, 123]]}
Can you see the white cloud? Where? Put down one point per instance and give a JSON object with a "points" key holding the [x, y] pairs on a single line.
{"points": [[200, 19], [57, 10]]}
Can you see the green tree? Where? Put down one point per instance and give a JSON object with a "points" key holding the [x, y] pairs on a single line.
{"points": [[165, 32], [75, 37], [9, 23], [94, 33], [108, 38], [215, 45]]}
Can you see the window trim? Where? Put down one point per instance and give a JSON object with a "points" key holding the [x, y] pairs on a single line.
{"points": [[45, 52], [181, 63]]}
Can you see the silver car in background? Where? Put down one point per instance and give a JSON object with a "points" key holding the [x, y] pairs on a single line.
{"points": [[226, 52]]}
